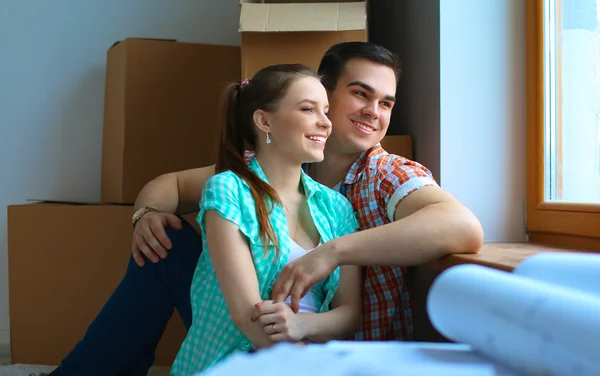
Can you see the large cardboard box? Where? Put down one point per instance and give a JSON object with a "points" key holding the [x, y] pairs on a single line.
{"points": [[399, 145], [64, 262], [277, 32], [161, 110]]}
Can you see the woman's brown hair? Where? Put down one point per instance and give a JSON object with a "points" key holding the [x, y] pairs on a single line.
{"points": [[264, 91]]}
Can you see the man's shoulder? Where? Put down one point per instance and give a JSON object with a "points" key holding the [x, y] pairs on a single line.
{"points": [[385, 161], [380, 163], [393, 177]]}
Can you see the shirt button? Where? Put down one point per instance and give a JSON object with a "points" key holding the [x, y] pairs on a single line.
{"points": [[246, 345]]}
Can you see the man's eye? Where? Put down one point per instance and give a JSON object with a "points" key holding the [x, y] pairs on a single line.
{"points": [[361, 93]]}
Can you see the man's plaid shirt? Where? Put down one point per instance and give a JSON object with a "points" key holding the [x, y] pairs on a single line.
{"points": [[375, 184]]}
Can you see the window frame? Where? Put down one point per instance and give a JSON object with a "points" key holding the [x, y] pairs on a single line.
{"points": [[560, 223]]}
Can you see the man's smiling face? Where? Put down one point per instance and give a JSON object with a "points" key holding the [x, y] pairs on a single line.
{"points": [[361, 106]]}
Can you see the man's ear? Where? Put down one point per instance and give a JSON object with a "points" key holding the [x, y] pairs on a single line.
{"points": [[262, 121]]}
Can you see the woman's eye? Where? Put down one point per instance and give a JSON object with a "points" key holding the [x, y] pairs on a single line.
{"points": [[308, 109]]}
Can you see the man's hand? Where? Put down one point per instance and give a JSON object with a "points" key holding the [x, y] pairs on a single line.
{"points": [[278, 321], [298, 276], [150, 238]]}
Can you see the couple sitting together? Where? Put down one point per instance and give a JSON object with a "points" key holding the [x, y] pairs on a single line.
{"points": [[307, 226]]}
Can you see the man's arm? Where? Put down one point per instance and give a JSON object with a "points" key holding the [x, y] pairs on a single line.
{"points": [[428, 223], [341, 322], [176, 192], [344, 319], [173, 193]]}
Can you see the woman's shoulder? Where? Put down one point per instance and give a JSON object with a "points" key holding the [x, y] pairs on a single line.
{"points": [[225, 180], [226, 193], [226, 188]]}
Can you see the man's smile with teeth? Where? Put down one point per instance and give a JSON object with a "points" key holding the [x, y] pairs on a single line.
{"points": [[364, 127]]}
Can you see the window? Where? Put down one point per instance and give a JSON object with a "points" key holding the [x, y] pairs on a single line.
{"points": [[563, 122]]}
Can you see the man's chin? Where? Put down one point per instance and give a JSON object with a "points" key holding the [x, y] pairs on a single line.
{"points": [[350, 145]]}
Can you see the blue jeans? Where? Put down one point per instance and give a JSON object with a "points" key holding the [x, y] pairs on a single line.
{"points": [[122, 338]]}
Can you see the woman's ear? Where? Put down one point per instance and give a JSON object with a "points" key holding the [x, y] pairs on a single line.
{"points": [[262, 121]]}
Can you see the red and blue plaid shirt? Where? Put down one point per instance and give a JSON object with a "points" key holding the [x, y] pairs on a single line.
{"points": [[375, 184]]}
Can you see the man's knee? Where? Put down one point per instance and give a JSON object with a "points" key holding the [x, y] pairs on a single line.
{"points": [[187, 237]]}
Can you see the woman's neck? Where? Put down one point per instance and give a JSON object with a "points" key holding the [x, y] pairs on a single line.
{"points": [[283, 176]]}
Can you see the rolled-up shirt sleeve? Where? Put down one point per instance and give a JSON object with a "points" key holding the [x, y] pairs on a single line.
{"points": [[401, 177]]}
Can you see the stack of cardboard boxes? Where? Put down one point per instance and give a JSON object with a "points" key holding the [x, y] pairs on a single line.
{"points": [[65, 258], [161, 115]]}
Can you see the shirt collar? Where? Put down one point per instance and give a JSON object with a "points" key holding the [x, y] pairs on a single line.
{"points": [[358, 167]]}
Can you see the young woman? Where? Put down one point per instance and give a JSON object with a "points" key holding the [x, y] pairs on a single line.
{"points": [[261, 212]]}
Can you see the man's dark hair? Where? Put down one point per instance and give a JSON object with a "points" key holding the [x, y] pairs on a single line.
{"points": [[335, 59]]}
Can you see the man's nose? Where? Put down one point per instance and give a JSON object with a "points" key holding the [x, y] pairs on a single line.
{"points": [[371, 109]]}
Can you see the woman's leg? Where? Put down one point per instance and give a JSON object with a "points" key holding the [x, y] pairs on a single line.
{"points": [[122, 338]]}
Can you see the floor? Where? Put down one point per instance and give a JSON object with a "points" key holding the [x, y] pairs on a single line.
{"points": [[4, 353], [7, 369]]}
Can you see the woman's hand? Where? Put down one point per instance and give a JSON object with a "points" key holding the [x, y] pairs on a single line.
{"points": [[278, 321], [297, 277]]}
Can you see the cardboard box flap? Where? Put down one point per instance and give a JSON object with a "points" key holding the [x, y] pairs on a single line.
{"points": [[288, 17]]}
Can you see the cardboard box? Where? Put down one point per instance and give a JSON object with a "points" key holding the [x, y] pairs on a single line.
{"points": [[277, 32], [64, 263], [399, 145], [161, 111]]}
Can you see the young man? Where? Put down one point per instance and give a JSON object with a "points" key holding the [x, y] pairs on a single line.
{"points": [[405, 218]]}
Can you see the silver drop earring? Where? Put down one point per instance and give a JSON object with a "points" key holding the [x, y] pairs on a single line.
{"points": [[268, 138]]}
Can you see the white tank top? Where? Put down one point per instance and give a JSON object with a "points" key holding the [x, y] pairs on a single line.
{"points": [[314, 297]]}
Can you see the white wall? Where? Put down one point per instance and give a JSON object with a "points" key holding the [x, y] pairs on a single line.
{"points": [[52, 69], [482, 111]]}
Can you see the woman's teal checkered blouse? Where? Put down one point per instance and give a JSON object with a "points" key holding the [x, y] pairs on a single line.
{"points": [[213, 336]]}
